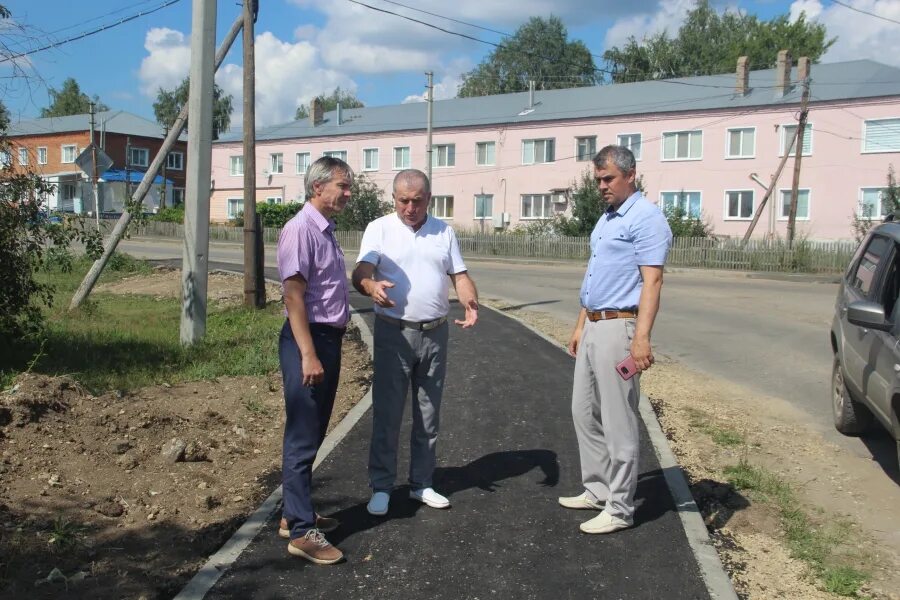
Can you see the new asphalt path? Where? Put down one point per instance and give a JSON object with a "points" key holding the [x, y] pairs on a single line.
{"points": [[506, 451]]}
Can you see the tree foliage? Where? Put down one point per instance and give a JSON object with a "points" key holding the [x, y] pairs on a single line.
{"points": [[170, 102], [366, 204], [540, 51], [330, 102], [587, 206], [709, 43], [70, 100]]}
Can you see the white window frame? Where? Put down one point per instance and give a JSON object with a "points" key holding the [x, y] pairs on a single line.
{"points": [[276, 163], [233, 160], [62, 153], [578, 139], [725, 216], [781, 191], [399, 167], [436, 156], [274, 200], [637, 155], [179, 162], [366, 152], [865, 131], [306, 164], [42, 151], [807, 136], [486, 217], [23, 157], [729, 155], [339, 154], [687, 214], [859, 204], [432, 209], [690, 133], [493, 149], [141, 152], [533, 159], [233, 214], [548, 205]]}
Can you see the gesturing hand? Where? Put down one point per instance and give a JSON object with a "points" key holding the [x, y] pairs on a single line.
{"points": [[378, 292], [471, 315]]}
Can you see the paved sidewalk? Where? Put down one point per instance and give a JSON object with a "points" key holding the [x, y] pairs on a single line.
{"points": [[506, 451]]}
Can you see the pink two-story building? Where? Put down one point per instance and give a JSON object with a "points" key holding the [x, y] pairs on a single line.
{"points": [[701, 142]]}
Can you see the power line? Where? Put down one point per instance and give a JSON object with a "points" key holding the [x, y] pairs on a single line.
{"points": [[89, 33], [503, 33], [865, 12]]}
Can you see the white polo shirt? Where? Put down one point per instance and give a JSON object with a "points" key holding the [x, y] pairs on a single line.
{"points": [[418, 263]]}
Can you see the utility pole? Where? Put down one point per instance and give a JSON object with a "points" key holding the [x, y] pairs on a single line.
{"points": [[127, 172], [430, 93], [769, 190], [94, 176], [195, 264], [798, 151], [162, 198], [254, 295]]}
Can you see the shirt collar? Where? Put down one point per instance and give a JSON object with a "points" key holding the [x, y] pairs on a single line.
{"points": [[317, 218], [626, 206]]}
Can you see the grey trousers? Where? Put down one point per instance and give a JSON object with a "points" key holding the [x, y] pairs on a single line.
{"points": [[604, 408], [406, 360]]}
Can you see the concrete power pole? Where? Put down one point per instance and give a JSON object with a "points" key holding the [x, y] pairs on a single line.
{"points": [[430, 93], [254, 296], [803, 72], [94, 176], [195, 264]]}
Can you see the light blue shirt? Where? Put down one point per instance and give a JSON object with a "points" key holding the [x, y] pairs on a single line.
{"points": [[622, 241]]}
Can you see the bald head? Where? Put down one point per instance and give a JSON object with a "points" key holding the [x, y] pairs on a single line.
{"points": [[412, 179]]}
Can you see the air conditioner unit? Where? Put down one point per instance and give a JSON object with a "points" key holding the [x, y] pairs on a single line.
{"points": [[498, 220]]}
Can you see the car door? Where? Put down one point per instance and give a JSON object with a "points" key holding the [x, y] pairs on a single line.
{"points": [[884, 351], [861, 284]]}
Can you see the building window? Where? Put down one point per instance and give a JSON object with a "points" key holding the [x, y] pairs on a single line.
{"points": [[276, 163], [632, 141], [585, 148], [69, 153], [740, 204], [683, 145], [484, 206], [441, 207], [273, 200], [787, 139], [689, 203], [301, 161], [235, 207], [23, 156], [42, 155], [871, 204], [443, 155], [339, 154], [538, 151], [401, 157], [370, 159], [177, 196], [5, 158], [741, 143], [236, 165], [537, 206], [802, 204], [138, 157], [484, 154], [175, 161], [881, 135]]}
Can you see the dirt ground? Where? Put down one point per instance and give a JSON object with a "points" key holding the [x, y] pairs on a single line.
{"points": [[126, 495], [748, 536]]}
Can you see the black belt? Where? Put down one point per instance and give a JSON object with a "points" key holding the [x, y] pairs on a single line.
{"points": [[417, 325]]}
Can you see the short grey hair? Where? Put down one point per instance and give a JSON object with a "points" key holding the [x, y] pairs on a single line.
{"points": [[413, 177], [322, 171], [620, 156]]}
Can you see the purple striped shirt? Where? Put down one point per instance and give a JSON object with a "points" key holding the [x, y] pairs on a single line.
{"points": [[307, 247]]}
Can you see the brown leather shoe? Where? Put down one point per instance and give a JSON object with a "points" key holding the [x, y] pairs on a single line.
{"points": [[315, 548], [323, 524]]}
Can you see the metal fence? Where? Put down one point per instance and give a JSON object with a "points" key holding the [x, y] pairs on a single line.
{"points": [[708, 253]]}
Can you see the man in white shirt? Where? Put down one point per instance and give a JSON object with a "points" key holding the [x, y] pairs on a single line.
{"points": [[406, 263]]}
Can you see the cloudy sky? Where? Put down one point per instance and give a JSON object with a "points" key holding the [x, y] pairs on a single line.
{"points": [[308, 47]]}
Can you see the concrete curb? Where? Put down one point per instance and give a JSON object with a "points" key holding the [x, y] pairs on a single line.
{"points": [[717, 581]]}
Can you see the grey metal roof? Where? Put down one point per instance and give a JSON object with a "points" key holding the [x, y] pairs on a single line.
{"points": [[116, 121], [829, 82]]}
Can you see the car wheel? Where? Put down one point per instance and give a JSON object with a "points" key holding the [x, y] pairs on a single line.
{"points": [[850, 417]]}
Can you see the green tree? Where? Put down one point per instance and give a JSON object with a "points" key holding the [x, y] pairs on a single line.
{"points": [[684, 225], [587, 206], [890, 197], [70, 100], [330, 102], [540, 51], [367, 204], [709, 43], [170, 102]]}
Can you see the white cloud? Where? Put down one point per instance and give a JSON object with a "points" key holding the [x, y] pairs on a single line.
{"points": [[858, 35], [168, 61], [669, 16]]}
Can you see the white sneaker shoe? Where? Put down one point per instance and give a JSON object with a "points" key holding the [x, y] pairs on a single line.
{"points": [[378, 505], [582, 501], [430, 497], [605, 523]]}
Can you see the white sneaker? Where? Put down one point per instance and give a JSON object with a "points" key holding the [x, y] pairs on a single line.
{"points": [[582, 501], [430, 497], [378, 505], [604, 523]]}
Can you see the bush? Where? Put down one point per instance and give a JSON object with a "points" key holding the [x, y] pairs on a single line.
{"points": [[587, 206], [170, 214], [366, 205], [276, 215], [683, 225]]}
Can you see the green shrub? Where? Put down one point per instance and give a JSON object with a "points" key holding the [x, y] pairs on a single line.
{"points": [[170, 214]]}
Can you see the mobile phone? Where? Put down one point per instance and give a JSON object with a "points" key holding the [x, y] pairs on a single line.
{"points": [[627, 369]]}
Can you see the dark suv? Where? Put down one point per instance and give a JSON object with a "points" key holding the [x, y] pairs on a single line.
{"points": [[865, 379]]}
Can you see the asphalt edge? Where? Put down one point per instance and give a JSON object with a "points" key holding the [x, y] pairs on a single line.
{"points": [[221, 561], [717, 581]]}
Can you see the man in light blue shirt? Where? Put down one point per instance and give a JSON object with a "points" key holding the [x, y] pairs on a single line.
{"points": [[619, 301]]}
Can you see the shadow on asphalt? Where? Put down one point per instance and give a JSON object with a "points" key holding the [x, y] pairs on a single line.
{"points": [[884, 452]]}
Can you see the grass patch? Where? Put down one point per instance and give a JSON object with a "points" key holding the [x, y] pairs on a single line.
{"points": [[815, 544], [256, 406], [721, 436], [65, 535]]}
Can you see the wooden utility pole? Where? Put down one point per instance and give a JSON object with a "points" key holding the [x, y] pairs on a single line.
{"points": [[254, 294], [430, 93], [94, 176], [165, 165], [771, 188], [798, 153]]}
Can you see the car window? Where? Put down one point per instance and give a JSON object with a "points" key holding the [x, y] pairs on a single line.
{"points": [[891, 288], [863, 276]]}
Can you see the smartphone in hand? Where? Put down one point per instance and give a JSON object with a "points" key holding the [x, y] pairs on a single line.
{"points": [[627, 369]]}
